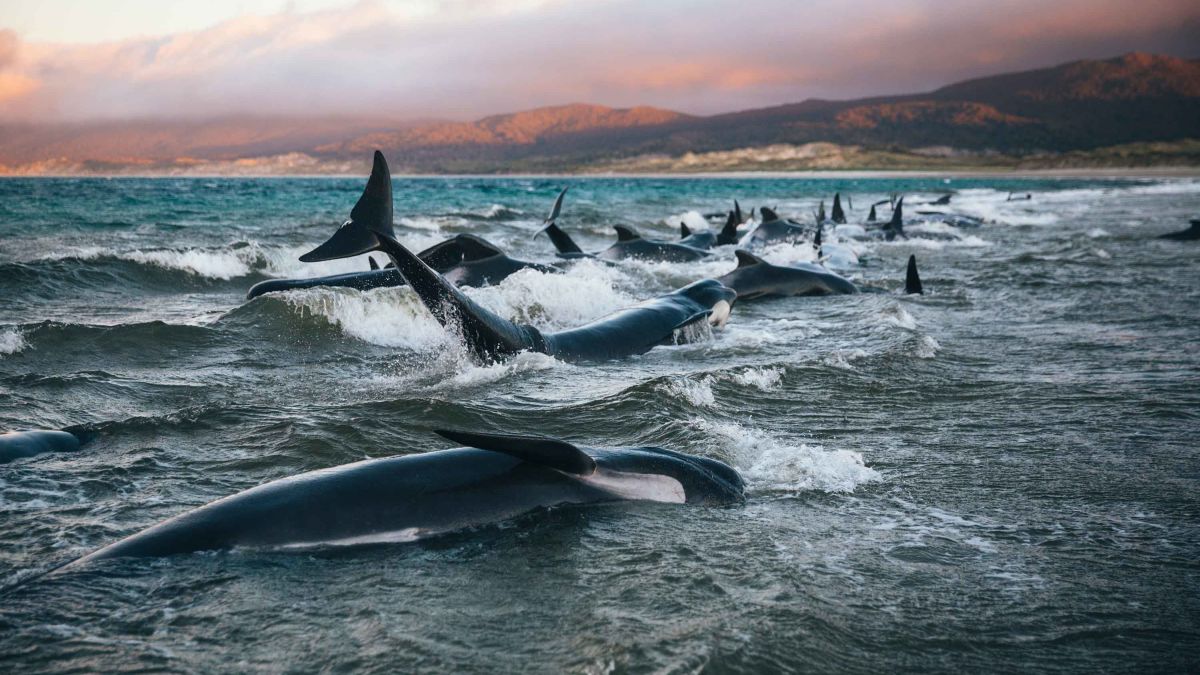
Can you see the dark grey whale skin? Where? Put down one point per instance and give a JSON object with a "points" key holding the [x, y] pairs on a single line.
{"points": [[407, 497], [634, 330], [466, 260], [18, 444], [756, 278]]}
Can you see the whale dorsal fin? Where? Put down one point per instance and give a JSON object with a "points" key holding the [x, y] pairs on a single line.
{"points": [[625, 233], [871, 215], [768, 215], [737, 212], [371, 261], [912, 280], [817, 238], [746, 258], [550, 452], [684, 231], [390, 266]]}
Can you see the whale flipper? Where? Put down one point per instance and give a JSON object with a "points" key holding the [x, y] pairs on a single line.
{"points": [[912, 280], [625, 233], [550, 452], [371, 261], [372, 213]]}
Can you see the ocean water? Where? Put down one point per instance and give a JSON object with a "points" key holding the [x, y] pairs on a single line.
{"points": [[1000, 475]]}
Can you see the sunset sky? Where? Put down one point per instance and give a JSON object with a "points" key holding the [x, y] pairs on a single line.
{"points": [[65, 60]]}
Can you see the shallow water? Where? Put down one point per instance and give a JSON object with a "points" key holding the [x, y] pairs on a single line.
{"points": [[999, 475]]}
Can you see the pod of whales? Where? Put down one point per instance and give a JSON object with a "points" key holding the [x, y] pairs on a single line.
{"points": [[490, 337], [629, 244], [466, 259], [410, 497], [17, 444]]}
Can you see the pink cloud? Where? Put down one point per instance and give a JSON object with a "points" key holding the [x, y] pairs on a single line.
{"points": [[475, 57]]}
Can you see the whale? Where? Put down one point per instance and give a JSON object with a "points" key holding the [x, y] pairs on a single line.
{"points": [[465, 259], [838, 215], [755, 278], [728, 234], [959, 220], [666, 319], [630, 244], [773, 230], [491, 479], [912, 279], [18, 444], [1190, 234]]}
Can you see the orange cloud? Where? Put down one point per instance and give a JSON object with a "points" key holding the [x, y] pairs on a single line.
{"points": [[467, 58]]}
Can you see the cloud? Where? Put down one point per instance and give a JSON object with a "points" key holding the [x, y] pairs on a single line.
{"points": [[467, 58]]}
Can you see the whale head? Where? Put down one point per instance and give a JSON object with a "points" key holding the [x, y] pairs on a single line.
{"points": [[713, 295], [656, 474]]}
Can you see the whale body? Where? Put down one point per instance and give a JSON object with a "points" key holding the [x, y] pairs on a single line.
{"points": [[410, 497]]}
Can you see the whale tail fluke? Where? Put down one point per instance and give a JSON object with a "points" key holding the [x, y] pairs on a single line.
{"points": [[895, 227], [912, 280], [487, 335], [372, 214], [561, 240], [551, 452]]}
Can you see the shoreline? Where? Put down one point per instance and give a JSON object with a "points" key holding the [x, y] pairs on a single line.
{"points": [[1025, 174]]}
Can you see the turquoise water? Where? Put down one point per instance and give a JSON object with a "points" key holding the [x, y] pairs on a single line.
{"points": [[1000, 475]]}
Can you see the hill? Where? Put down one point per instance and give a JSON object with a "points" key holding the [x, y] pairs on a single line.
{"points": [[1072, 110]]}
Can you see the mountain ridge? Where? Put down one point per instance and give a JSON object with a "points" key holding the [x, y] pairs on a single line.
{"points": [[1074, 107]]}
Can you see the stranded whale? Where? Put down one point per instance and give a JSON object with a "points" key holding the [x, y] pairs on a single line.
{"points": [[409, 497], [629, 244], [18, 444], [633, 330]]}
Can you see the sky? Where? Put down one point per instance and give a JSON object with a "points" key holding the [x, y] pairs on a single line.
{"points": [[73, 60]]}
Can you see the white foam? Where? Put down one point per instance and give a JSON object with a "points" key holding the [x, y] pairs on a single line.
{"points": [[476, 375], [843, 358], [895, 315], [555, 301], [764, 379], [390, 317], [770, 465], [1102, 254], [926, 348], [11, 341], [211, 264], [695, 221], [698, 392]]}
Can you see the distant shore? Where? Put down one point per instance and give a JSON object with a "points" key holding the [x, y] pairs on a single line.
{"points": [[1114, 173]]}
